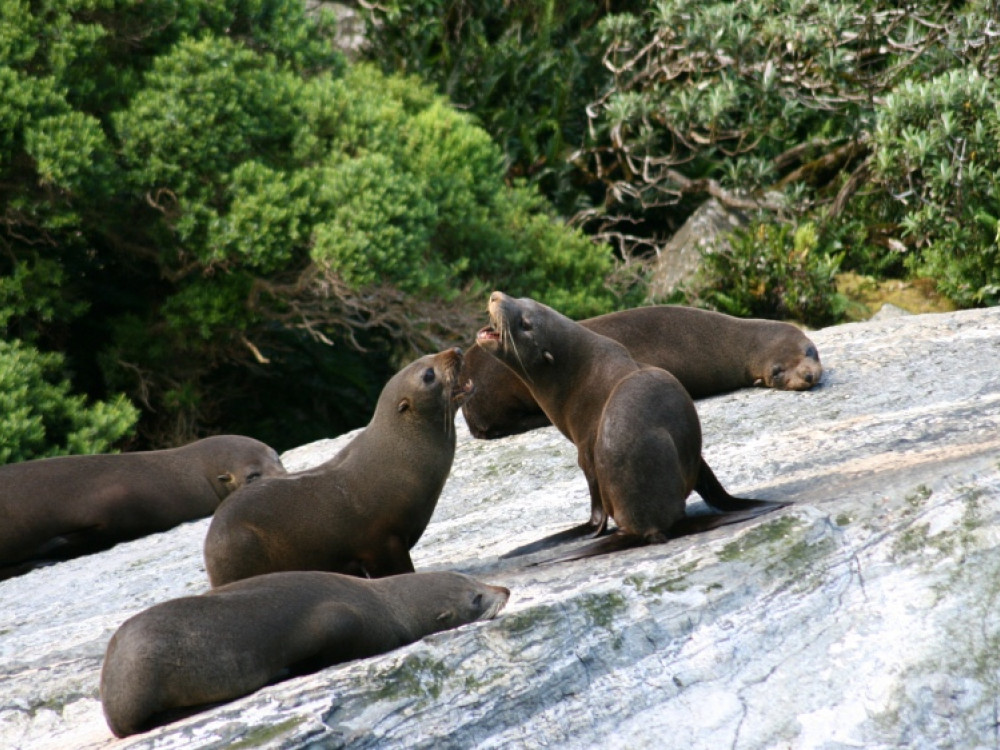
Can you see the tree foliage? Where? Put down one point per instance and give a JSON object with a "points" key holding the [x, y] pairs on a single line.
{"points": [[872, 121], [875, 120], [526, 69], [239, 230]]}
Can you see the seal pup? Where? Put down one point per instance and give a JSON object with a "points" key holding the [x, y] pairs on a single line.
{"points": [[58, 508], [363, 510], [708, 352], [226, 643], [636, 430]]}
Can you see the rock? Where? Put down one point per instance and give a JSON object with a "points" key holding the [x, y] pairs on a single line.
{"points": [[678, 261], [866, 615]]}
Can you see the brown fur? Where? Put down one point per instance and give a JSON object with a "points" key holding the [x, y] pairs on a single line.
{"points": [[636, 430], [200, 650], [58, 508], [708, 352], [362, 511]]}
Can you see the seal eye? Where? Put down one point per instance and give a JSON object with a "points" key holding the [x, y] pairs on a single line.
{"points": [[812, 353], [429, 375], [253, 476], [775, 371], [525, 324]]}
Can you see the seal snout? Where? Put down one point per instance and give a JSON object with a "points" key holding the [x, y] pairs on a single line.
{"points": [[494, 333], [805, 376], [497, 597]]}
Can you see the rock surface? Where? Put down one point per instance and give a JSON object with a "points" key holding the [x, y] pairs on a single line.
{"points": [[866, 615], [680, 259]]}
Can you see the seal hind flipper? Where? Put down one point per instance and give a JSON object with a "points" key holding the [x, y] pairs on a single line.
{"points": [[713, 493], [696, 524], [568, 535], [686, 526], [614, 542]]}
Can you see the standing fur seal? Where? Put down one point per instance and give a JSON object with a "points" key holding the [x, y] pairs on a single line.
{"points": [[58, 508], [364, 509], [235, 639], [708, 352], [636, 430]]}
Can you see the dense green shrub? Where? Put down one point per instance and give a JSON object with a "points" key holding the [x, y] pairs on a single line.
{"points": [[740, 101], [937, 152], [774, 271], [526, 69], [234, 209], [40, 417]]}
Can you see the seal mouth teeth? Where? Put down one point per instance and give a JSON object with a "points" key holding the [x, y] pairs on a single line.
{"points": [[488, 333]]}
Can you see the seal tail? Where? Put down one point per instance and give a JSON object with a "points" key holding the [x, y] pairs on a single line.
{"points": [[713, 493]]}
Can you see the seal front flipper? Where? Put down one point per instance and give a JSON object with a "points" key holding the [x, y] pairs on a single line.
{"points": [[390, 559], [584, 529], [713, 493]]}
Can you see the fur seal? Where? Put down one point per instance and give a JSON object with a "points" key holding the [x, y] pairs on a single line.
{"points": [[635, 427], [363, 510], [708, 352], [59, 508], [226, 643]]}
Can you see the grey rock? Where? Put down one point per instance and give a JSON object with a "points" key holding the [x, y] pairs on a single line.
{"points": [[889, 310], [679, 260], [866, 615]]}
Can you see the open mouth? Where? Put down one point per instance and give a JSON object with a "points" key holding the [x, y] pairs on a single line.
{"points": [[488, 333]]}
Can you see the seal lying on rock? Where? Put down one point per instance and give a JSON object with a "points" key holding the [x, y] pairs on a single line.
{"points": [[363, 510], [59, 508], [636, 430], [708, 352], [235, 639]]}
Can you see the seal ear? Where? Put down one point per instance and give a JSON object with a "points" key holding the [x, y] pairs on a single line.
{"points": [[446, 615], [226, 478], [403, 405], [548, 357]]}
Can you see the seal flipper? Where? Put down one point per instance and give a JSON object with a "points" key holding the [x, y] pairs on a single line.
{"points": [[621, 540], [584, 529], [615, 542], [713, 493]]}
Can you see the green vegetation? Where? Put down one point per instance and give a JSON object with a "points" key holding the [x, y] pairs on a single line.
{"points": [[208, 209], [870, 126]]}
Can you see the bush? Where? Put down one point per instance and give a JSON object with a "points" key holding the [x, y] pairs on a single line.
{"points": [[227, 199], [39, 417], [937, 146], [774, 271], [874, 119], [527, 70]]}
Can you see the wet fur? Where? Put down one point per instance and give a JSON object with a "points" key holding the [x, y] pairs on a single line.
{"points": [[188, 654], [362, 511], [637, 433], [708, 352], [55, 509]]}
